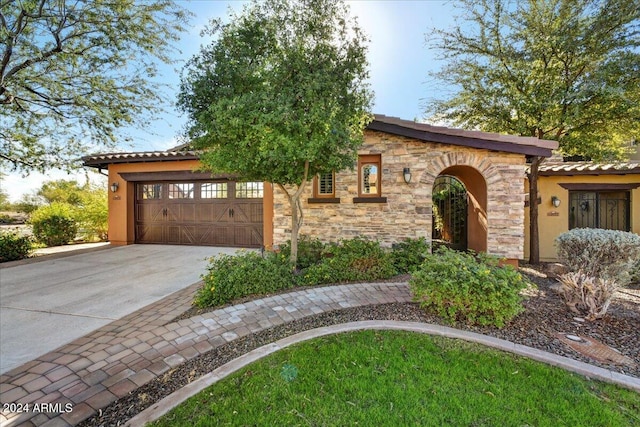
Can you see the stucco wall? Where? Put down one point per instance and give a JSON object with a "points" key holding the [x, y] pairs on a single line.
{"points": [[554, 221], [121, 203], [408, 210]]}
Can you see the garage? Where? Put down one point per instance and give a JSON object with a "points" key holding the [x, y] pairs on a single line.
{"points": [[214, 213]]}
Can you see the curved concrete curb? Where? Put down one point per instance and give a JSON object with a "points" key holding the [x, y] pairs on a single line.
{"points": [[165, 405]]}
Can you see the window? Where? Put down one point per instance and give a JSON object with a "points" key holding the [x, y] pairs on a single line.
{"points": [[213, 190], [181, 191], [599, 209], [249, 190], [369, 179], [324, 185], [150, 191]]}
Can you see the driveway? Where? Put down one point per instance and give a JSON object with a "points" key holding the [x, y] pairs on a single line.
{"points": [[51, 302]]}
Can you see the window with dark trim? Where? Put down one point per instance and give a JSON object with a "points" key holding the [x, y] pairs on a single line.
{"points": [[324, 185], [324, 189], [369, 175], [213, 190], [249, 190], [369, 179], [181, 190], [600, 209]]}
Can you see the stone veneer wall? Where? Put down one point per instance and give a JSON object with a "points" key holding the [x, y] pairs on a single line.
{"points": [[407, 212]]}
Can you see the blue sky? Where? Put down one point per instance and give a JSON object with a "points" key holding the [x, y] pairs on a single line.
{"points": [[399, 58]]}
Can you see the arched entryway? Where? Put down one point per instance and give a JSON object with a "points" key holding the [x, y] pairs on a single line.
{"points": [[460, 209], [450, 206]]}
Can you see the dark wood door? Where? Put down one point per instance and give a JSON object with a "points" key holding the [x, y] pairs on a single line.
{"points": [[199, 213]]}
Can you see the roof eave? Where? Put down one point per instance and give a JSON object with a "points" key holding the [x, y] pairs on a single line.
{"points": [[428, 136]]}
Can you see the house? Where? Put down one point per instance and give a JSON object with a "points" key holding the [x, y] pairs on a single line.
{"points": [[463, 188], [585, 195]]}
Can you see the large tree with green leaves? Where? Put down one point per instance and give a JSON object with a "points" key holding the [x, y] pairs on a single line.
{"points": [[567, 70], [72, 73], [280, 95]]}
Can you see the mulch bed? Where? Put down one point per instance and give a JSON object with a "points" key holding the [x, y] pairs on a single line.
{"points": [[545, 317]]}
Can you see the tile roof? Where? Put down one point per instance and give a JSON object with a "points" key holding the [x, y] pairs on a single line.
{"points": [[589, 168], [102, 160]]}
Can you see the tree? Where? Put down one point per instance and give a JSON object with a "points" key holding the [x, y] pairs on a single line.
{"points": [[72, 73], [86, 204], [280, 95], [567, 70]]}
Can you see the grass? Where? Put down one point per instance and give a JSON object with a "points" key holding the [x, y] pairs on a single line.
{"points": [[391, 378]]}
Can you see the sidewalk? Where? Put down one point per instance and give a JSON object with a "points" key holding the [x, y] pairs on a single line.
{"points": [[93, 371]]}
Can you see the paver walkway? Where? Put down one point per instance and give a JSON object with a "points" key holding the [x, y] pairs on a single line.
{"points": [[77, 380]]}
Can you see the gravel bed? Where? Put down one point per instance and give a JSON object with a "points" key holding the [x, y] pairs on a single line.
{"points": [[544, 317]]}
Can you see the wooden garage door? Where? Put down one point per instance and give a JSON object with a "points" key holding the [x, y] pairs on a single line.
{"points": [[199, 213]]}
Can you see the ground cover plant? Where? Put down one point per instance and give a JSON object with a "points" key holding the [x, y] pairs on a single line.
{"points": [[403, 378], [350, 260]]}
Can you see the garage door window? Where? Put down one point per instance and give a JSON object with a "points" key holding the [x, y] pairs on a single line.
{"points": [[181, 191], [249, 190], [150, 191], [213, 190]]}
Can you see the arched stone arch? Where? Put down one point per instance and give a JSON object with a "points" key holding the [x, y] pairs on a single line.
{"points": [[474, 172]]}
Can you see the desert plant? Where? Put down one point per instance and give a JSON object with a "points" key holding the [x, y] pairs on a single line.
{"points": [[464, 287], [230, 277], [601, 254], [587, 295], [14, 246], [54, 224], [356, 259], [408, 254]]}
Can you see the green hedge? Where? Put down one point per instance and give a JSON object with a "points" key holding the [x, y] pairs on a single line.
{"points": [[230, 277], [54, 224], [351, 260], [470, 288], [14, 246]]}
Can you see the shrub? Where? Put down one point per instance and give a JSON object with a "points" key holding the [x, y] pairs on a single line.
{"points": [[635, 273], [92, 215], [586, 295], [462, 287], [13, 246], [230, 277], [309, 251], [601, 254], [409, 254], [351, 260], [54, 224]]}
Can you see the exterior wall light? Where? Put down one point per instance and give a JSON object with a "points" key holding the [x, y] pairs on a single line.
{"points": [[406, 174], [114, 187], [555, 201]]}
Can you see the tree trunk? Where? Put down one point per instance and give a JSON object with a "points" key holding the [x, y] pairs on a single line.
{"points": [[534, 237], [296, 215], [295, 228]]}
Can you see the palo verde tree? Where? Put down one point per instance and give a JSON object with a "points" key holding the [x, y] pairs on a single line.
{"points": [[72, 73], [567, 70], [280, 95]]}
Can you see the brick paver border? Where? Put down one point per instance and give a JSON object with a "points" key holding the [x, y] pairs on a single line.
{"points": [[91, 372]]}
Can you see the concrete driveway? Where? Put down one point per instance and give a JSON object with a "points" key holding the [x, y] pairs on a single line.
{"points": [[51, 302]]}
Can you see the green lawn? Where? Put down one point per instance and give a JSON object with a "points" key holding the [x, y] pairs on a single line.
{"points": [[376, 378]]}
